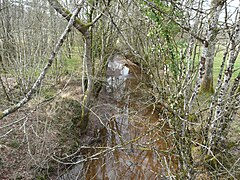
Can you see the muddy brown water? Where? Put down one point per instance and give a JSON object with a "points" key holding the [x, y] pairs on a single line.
{"points": [[133, 141]]}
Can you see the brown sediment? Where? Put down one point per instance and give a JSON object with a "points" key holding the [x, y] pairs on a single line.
{"points": [[136, 143]]}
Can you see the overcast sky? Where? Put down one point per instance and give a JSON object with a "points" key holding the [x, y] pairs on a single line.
{"points": [[232, 7]]}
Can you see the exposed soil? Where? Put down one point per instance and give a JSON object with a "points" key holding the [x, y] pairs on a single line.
{"points": [[125, 137], [30, 136], [39, 132]]}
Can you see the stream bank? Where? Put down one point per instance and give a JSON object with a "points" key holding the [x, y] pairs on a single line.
{"points": [[127, 139]]}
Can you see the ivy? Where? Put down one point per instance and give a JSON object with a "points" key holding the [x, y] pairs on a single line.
{"points": [[166, 30]]}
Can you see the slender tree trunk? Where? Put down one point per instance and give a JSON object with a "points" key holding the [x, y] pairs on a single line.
{"points": [[207, 81], [7, 46], [221, 115], [4, 88], [1, 56], [85, 29], [206, 60], [86, 104]]}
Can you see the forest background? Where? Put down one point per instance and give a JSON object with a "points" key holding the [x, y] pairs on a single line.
{"points": [[189, 50]]}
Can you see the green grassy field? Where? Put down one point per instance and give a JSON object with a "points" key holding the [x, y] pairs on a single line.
{"points": [[73, 64], [217, 66]]}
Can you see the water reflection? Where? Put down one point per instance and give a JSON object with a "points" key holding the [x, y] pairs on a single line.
{"points": [[137, 138], [117, 74]]}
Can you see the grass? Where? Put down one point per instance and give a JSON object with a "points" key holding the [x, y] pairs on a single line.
{"points": [[217, 66], [14, 144], [73, 64], [205, 98]]}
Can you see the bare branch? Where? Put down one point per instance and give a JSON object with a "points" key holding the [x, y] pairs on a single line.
{"points": [[45, 69], [187, 29], [78, 24]]}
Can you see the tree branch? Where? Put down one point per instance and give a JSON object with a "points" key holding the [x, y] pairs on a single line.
{"points": [[78, 24], [187, 29], [45, 69]]}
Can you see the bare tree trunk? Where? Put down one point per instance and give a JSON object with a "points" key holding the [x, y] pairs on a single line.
{"points": [[206, 60], [85, 30], [4, 88], [89, 72], [221, 114], [207, 81], [2, 68], [7, 46], [1, 55]]}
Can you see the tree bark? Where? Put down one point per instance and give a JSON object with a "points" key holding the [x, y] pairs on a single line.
{"points": [[78, 24], [84, 29], [221, 117], [89, 72], [206, 60], [207, 81]]}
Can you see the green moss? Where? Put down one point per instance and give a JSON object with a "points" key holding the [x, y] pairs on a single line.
{"points": [[1, 114], [67, 115], [77, 21], [41, 177], [19, 177], [84, 116], [68, 110], [206, 89], [14, 144], [48, 92]]}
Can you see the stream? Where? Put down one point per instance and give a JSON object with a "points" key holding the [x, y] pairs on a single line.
{"points": [[133, 141]]}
